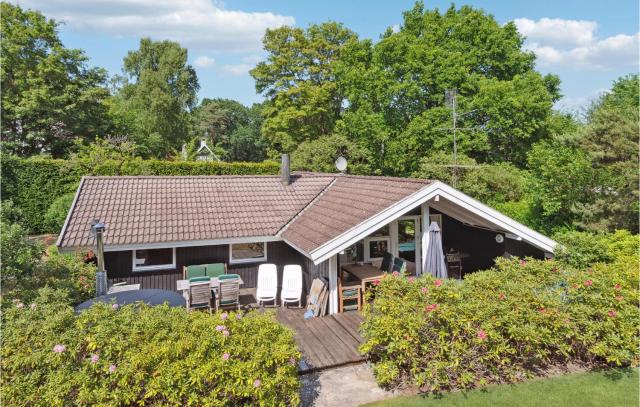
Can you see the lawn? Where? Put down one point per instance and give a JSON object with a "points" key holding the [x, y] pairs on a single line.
{"points": [[610, 388]]}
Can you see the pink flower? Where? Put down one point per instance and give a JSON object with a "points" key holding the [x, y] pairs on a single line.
{"points": [[19, 305], [34, 306], [220, 328], [411, 279], [257, 383], [59, 348], [619, 298], [555, 270], [112, 368], [224, 316], [115, 306], [238, 316], [502, 296], [292, 361], [395, 274], [588, 283], [225, 356], [225, 333], [523, 263], [542, 310], [424, 290], [617, 287], [431, 307], [612, 313], [482, 335], [376, 282], [95, 358], [437, 283]]}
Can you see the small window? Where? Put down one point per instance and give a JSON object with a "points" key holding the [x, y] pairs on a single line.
{"points": [[154, 259], [376, 247], [247, 252]]}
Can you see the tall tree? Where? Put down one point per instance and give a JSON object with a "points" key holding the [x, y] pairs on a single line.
{"points": [[49, 94], [158, 92], [299, 80], [611, 141]]}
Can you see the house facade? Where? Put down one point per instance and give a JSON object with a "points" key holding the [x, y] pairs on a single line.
{"points": [[157, 225]]}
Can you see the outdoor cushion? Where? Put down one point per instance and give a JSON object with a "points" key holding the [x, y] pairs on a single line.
{"points": [[228, 276], [349, 293], [399, 265], [215, 269], [225, 302], [196, 271], [198, 279], [387, 261]]}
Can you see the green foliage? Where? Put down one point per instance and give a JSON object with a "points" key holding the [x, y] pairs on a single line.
{"points": [[319, 155], [57, 213], [156, 96], [32, 184], [26, 267], [561, 176], [231, 127], [49, 95], [610, 140], [580, 249], [501, 325], [144, 356]]}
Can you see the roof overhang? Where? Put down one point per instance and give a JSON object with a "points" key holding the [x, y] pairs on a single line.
{"points": [[450, 201]]}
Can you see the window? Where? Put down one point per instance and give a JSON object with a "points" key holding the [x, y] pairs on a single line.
{"points": [[247, 252], [376, 247], [154, 259]]}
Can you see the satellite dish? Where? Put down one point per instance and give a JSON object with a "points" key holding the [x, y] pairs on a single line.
{"points": [[341, 164]]}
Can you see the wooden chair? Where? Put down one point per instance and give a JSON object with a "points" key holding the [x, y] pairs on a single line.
{"points": [[454, 264], [349, 294], [199, 295], [229, 294]]}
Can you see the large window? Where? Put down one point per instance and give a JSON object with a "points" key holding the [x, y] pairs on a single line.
{"points": [[154, 259], [377, 244], [247, 252]]}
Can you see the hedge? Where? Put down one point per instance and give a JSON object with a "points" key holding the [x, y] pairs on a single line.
{"points": [[33, 184], [502, 325], [143, 356]]}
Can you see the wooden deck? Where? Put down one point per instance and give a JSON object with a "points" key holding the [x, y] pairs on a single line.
{"points": [[325, 342]]}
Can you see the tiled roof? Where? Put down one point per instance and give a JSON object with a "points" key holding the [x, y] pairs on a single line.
{"points": [[309, 212], [141, 210], [349, 201]]}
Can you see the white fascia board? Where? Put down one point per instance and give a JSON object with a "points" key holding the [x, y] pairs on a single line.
{"points": [[191, 243], [430, 191], [66, 220]]}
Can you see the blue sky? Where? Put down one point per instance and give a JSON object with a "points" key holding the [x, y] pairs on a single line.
{"points": [[587, 43]]}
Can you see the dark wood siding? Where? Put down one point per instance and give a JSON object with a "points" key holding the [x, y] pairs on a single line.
{"points": [[119, 265]]}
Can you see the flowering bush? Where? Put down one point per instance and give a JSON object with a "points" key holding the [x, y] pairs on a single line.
{"points": [[501, 325], [142, 355]]}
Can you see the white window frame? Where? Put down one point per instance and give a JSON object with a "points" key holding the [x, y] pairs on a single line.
{"points": [[250, 260], [157, 266], [367, 251]]}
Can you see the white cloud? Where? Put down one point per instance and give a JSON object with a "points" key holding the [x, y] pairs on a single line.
{"points": [[238, 69], [204, 61], [557, 31], [574, 44], [199, 24]]}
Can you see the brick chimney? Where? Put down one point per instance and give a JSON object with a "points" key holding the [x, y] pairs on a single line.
{"points": [[285, 170]]}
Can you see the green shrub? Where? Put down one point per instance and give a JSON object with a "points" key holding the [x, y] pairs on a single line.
{"points": [[581, 249], [140, 355], [57, 212], [501, 325], [33, 184]]}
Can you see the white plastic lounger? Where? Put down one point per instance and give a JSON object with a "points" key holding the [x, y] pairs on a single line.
{"points": [[291, 285], [267, 284]]}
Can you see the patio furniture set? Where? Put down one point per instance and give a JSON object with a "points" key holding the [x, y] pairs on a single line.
{"points": [[352, 286], [209, 286]]}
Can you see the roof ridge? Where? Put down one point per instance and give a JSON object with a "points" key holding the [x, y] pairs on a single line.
{"points": [[308, 205], [193, 176]]}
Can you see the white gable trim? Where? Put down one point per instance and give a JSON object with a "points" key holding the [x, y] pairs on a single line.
{"points": [[73, 205], [430, 191]]}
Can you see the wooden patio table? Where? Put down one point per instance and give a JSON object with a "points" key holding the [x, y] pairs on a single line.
{"points": [[366, 273], [214, 282]]}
